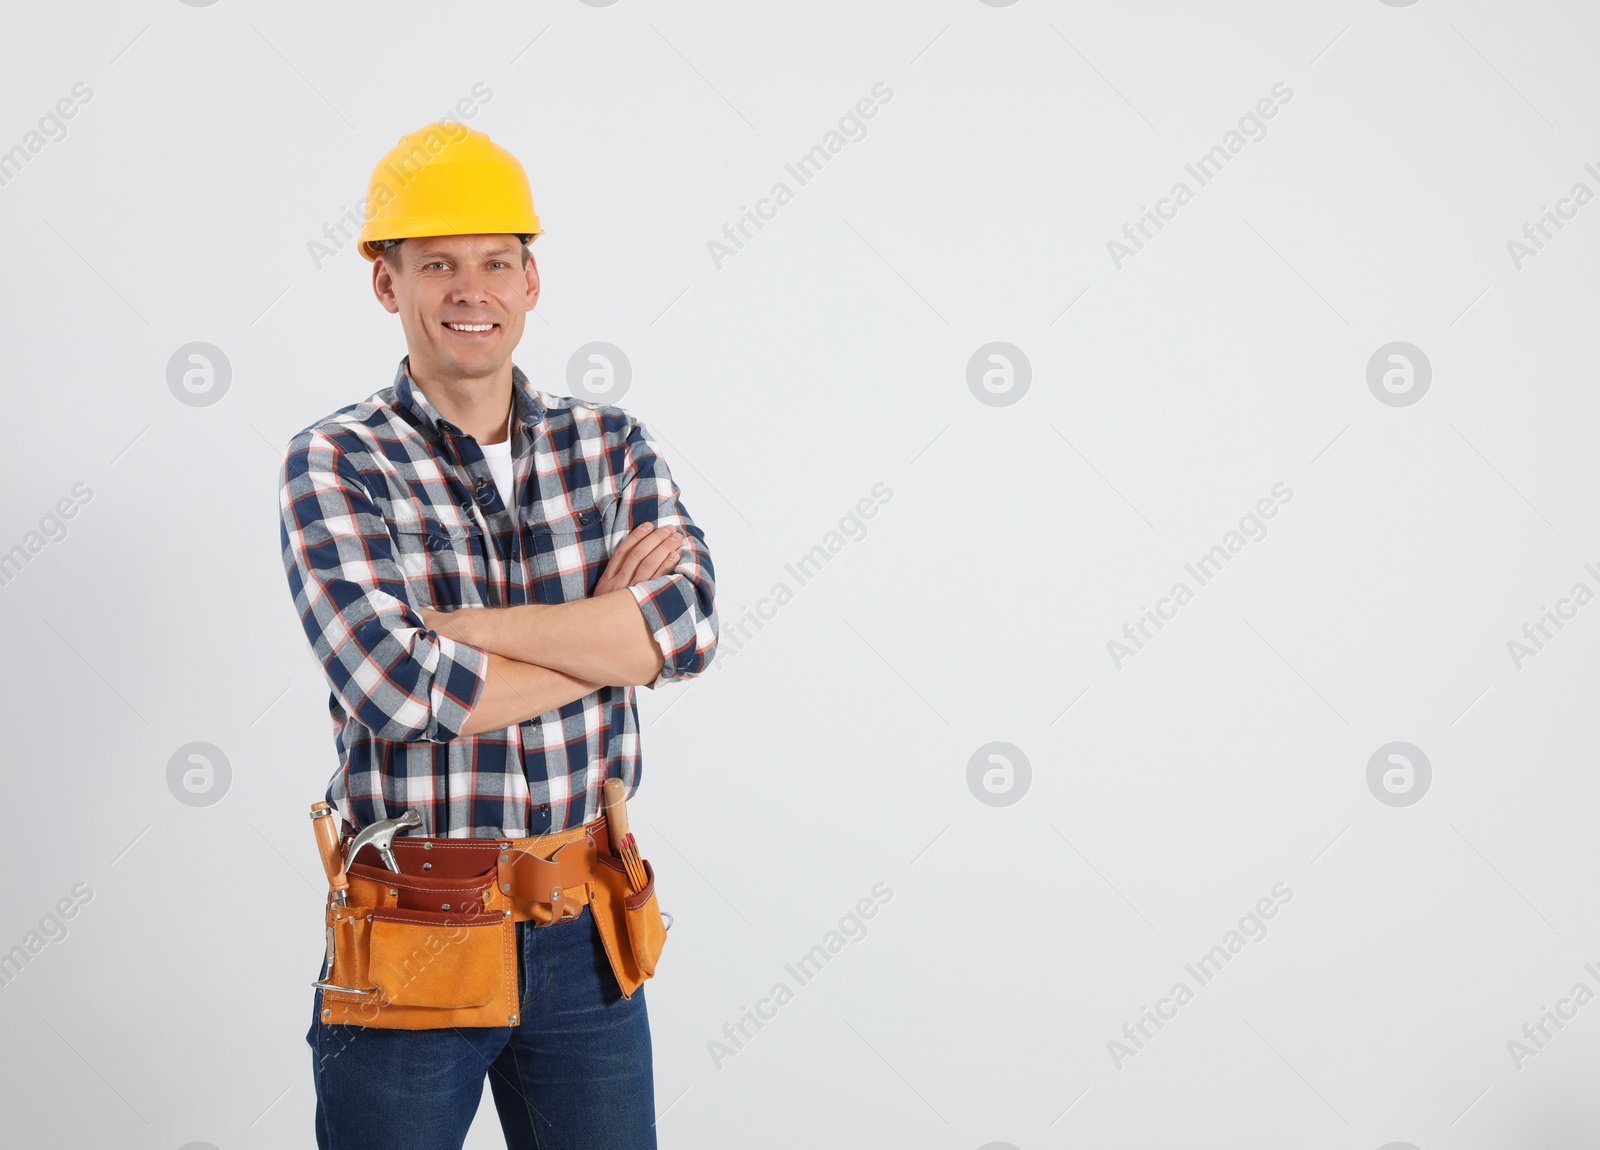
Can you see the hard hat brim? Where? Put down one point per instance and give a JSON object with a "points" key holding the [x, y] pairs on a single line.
{"points": [[373, 248]]}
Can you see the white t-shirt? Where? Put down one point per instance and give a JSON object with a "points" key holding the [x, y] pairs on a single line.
{"points": [[498, 457]]}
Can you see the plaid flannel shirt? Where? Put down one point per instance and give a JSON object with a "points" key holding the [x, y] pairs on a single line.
{"points": [[386, 506]]}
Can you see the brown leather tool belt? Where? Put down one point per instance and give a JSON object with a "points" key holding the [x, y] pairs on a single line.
{"points": [[434, 944]]}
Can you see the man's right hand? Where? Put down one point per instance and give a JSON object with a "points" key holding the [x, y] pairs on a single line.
{"points": [[646, 553]]}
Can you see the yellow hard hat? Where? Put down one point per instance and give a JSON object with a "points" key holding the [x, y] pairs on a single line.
{"points": [[446, 180]]}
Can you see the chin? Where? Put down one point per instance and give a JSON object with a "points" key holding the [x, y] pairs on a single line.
{"points": [[484, 362]]}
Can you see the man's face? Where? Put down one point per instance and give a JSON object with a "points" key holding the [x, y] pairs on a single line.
{"points": [[462, 301]]}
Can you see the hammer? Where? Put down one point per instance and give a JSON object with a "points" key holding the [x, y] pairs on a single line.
{"points": [[381, 835]]}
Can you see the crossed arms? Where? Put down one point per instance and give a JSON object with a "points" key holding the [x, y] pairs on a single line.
{"points": [[410, 675], [544, 655]]}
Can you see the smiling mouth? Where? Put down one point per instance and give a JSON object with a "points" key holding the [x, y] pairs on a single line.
{"points": [[471, 328]]}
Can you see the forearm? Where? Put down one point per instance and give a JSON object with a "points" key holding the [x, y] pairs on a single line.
{"points": [[602, 640], [514, 691]]}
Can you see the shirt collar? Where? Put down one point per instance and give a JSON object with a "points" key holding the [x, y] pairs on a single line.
{"points": [[408, 396]]}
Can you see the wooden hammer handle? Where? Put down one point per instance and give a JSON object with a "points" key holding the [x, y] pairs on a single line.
{"points": [[616, 814], [325, 826]]}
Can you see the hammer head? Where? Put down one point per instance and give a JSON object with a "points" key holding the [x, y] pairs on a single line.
{"points": [[381, 835]]}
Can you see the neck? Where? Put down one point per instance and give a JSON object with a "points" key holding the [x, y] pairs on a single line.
{"points": [[481, 407]]}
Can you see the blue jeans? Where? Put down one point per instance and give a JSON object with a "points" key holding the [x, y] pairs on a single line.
{"points": [[573, 1074]]}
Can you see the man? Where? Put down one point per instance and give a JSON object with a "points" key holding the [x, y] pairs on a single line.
{"points": [[485, 572]]}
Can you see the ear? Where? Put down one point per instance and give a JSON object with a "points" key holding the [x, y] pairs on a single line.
{"points": [[531, 282], [383, 284]]}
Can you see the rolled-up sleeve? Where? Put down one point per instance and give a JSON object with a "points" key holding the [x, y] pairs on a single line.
{"points": [[399, 679], [679, 607]]}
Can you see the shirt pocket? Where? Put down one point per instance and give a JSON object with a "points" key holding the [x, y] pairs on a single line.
{"points": [[571, 549], [442, 561]]}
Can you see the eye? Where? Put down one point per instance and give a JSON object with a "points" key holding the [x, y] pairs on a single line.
{"points": [[434, 264], [501, 264]]}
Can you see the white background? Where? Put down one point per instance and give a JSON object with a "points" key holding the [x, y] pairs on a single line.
{"points": [[829, 750]]}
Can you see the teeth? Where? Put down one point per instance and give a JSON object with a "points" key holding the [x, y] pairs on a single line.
{"points": [[470, 326]]}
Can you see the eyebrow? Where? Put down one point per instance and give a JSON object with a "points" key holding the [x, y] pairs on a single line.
{"points": [[433, 253]]}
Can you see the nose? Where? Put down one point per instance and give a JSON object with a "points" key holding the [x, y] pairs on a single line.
{"points": [[470, 286]]}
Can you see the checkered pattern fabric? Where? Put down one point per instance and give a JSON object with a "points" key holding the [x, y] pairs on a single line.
{"points": [[386, 507]]}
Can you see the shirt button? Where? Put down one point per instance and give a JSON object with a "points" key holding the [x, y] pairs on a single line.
{"points": [[482, 481]]}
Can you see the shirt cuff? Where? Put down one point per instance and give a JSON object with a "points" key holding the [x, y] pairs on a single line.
{"points": [[456, 686], [665, 591]]}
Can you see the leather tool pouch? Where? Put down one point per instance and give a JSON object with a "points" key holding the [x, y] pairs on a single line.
{"points": [[419, 952], [646, 930], [630, 924], [434, 945]]}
